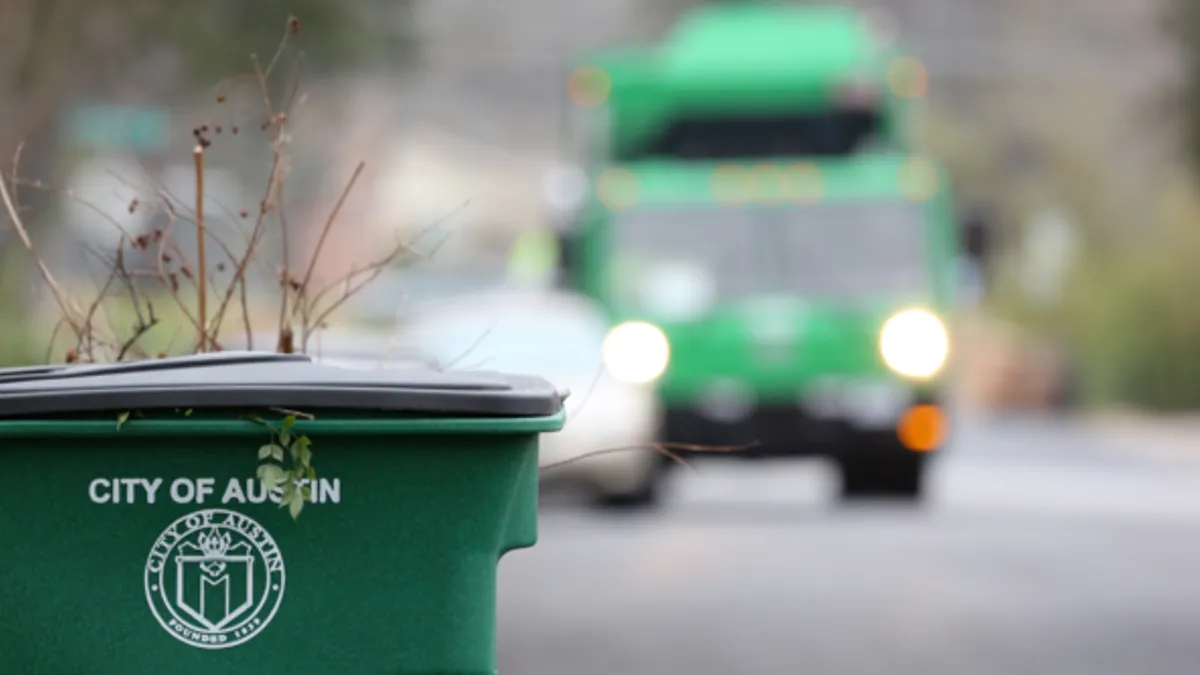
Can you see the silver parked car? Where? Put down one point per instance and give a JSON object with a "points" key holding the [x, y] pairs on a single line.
{"points": [[604, 449]]}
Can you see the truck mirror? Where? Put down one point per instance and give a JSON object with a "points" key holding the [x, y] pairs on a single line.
{"points": [[566, 258], [976, 236]]}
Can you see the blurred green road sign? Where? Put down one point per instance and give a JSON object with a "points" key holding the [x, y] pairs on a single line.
{"points": [[111, 127]]}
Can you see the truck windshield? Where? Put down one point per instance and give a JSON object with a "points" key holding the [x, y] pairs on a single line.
{"points": [[827, 134], [516, 341], [836, 251]]}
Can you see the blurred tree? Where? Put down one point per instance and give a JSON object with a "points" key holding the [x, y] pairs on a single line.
{"points": [[1182, 24], [55, 53], [54, 50]]}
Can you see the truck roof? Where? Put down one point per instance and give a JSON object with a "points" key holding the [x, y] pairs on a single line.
{"points": [[760, 40], [766, 40], [740, 58]]}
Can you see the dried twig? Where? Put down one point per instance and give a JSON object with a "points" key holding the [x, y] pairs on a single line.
{"points": [[141, 330], [350, 288], [279, 50], [246, 317], [663, 448], [265, 90], [256, 236], [382, 263], [165, 241], [302, 291], [160, 272], [286, 342], [87, 343], [85, 347], [202, 265], [16, 171], [294, 413], [391, 346], [477, 365], [62, 321], [174, 338], [474, 345], [180, 210], [70, 194], [587, 394], [169, 280], [69, 311], [372, 270], [145, 321], [292, 101], [275, 122]]}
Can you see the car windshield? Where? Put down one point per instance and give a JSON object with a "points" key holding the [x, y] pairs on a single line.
{"points": [[406, 291], [839, 251], [537, 344]]}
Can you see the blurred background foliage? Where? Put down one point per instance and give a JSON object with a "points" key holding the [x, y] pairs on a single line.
{"points": [[56, 51], [1127, 316], [58, 54], [1020, 149]]}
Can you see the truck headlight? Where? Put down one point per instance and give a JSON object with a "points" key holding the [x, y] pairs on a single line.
{"points": [[914, 343], [636, 352]]}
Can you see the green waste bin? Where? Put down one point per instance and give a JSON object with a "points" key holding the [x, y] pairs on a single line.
{"points": [[153, 549]]}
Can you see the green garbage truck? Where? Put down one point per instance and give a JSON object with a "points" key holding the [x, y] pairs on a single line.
{"points": [[772, 252]]}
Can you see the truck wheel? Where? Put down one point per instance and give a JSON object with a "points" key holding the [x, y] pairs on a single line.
{"points": [[890, 476], [646, 496]]}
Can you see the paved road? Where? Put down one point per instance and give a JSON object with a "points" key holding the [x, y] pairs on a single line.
{"points": [[1045, 550]]}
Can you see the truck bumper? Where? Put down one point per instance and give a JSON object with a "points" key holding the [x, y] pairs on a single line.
{"points": [[786, 431]]}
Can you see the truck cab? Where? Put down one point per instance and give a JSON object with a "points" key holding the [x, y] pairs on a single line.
{"points": [[772, 253]]}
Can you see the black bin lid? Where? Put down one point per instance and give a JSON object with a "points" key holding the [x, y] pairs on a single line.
{"points": [[265, 380]]}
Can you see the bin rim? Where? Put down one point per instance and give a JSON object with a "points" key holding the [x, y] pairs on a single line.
{"points": [[236, 427], [264, 380]]}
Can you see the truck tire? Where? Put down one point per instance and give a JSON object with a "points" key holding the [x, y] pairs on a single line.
{"points": [[643, 498], [898, 474], [646, 496]]}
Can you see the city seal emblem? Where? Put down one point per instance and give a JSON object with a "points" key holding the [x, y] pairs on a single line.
{"points": [[214, 579]]}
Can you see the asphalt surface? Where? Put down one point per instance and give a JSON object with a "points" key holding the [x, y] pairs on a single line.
{"points": [[1043, 550]]}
